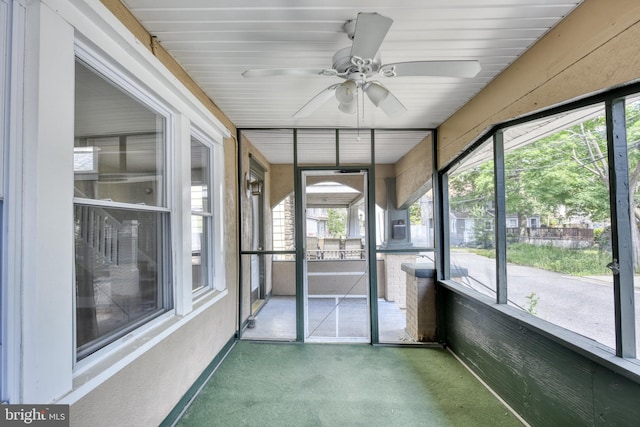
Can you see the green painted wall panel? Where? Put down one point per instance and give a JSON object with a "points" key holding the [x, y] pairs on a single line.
{"points": [[546, 382], [616, 399]]}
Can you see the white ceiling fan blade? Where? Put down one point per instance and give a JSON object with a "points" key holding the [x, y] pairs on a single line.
{"points": [[371, 29], [431, 68], [289, 72], [316, 102]]}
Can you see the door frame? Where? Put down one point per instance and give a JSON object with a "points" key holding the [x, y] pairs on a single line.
{"points": [[300, 239], [257, 170]]}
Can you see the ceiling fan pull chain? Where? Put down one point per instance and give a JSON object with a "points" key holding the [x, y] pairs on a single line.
{"points": [[362, 103], [358, 91]]}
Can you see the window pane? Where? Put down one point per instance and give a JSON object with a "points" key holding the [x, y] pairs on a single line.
{"points": [[558, 222], [273, 318], [200, 176], [199, 251], [421, 219], [633, 144], [119, 142], [283, 226], [404, 169], [119, 272], [200, 224], [471, 222]]}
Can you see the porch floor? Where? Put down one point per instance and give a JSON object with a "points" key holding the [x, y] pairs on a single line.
{"points": [[271, 384], [277, 321]]}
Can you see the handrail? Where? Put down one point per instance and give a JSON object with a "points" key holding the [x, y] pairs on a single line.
{"points": [[102, 233]]}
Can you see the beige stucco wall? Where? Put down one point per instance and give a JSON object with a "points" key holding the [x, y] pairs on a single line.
{"points": [[383, 172], [596, 47], [281, 181], [143, 393], [247, 152], [413, 173], [281, 184], [284, 275]]}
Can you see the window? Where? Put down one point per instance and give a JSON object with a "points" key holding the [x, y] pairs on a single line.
{"points": [[201, 217], [562, 240], [121, 218], [471, 221], [556, 170]]}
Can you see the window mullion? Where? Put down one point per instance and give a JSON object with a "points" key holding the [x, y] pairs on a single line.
{"points": [[500, 218], [621, 241], [445, 228]]}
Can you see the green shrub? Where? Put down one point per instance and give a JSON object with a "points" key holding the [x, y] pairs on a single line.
{"points": [[576, 262]]}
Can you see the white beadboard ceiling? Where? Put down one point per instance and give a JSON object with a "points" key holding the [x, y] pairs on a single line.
{"points": [[216, 40]]}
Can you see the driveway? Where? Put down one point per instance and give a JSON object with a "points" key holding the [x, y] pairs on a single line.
{"points": [[580, 304]]}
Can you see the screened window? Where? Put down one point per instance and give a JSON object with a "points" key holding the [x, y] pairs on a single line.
{"points": [[201, 218], [121, 221], [471, 221], [558, 246], [569, 260]]}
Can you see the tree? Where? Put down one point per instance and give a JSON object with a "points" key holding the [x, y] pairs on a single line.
{"points": [[561, 175], [590, 155], [415, 213], [471, 197], [337, 222]]}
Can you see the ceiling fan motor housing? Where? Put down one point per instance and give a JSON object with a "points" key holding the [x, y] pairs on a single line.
{"points": [[346, 64]]}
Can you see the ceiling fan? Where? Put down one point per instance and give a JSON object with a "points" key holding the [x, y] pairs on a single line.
{"points": [[360, 62]]}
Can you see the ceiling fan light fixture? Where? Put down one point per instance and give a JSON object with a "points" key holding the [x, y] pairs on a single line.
{"points": [[392, 106], [346, 92], [348, 107], [376, 93], [361, 61]]}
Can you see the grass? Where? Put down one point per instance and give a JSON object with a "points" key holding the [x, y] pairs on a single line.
{"points": [[576, 262]]}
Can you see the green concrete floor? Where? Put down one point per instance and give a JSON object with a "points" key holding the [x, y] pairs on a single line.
{"points": [[343, 385]]}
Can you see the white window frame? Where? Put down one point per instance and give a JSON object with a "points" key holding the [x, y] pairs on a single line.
{"points": [[5, 49], [118, 77], [12, 57], [38, 198], [207, 215]]}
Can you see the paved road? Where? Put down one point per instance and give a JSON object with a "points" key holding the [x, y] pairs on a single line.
{"points": [[580, 304]]}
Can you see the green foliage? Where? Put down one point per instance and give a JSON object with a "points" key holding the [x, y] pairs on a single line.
{"points": [[482, 228], [472, 189], [576, 262], [533, 302], [415, 214], [337, 222], [558, 176]]}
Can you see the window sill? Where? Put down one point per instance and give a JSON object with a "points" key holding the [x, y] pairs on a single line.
{"points": [[99, 367]]}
